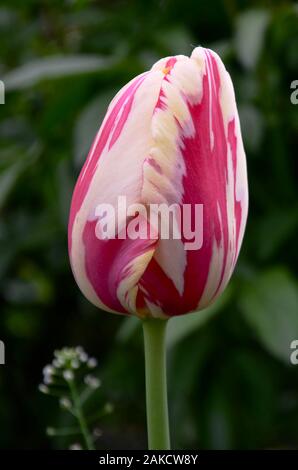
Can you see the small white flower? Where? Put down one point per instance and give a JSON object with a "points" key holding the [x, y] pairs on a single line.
{"points": [[83, 357], [61, 361], [75, 364], [92, 362], [48, 379], [48, 370], [68, 375], [75, 446], [92, 381], [97, 432], [65, 403], [43, 388]]}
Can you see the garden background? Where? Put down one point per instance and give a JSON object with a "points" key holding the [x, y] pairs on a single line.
{"points": [[231, 382]]}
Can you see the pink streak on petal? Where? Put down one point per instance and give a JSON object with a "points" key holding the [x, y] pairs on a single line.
{"points": [[151, 161], [160, 102], [204, 183], [107, 263], [160, 289], [171, 62], [98, 146], [122, 119]]}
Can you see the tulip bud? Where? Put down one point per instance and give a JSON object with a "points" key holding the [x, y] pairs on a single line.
{"points": [[170, 136]]}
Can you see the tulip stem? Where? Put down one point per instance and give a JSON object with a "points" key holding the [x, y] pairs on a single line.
{"points": [[156, 384]]}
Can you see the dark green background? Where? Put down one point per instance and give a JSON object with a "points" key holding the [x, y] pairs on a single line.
{"points": [[231, 383]]}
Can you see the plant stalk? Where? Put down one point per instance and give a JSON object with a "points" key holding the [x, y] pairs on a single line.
{"points": [[80, 416], [156, 384]]}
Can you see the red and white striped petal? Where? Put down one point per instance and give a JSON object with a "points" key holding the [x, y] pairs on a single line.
{"points": [[113, 167]]}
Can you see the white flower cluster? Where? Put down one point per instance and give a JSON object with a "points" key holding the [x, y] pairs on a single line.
{"points": [[70, 377], [69, 363]]}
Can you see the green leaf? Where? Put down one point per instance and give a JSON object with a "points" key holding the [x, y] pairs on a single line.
{"points": [[270, 305], [249, 36], [9, 173], [88, 124], [222, 47], [175, 40], [182, 326], [252, 123], [282, 225], [33, 72], [8, 178], [127, 329]]}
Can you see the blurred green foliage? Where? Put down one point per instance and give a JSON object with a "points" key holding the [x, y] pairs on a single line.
{"points": [[231, 384]]}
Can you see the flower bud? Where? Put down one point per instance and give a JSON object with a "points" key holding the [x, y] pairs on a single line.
{"points": [[170, 136]]}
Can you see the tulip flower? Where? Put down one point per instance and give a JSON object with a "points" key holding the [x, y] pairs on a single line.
{"points": [[170, 136]]}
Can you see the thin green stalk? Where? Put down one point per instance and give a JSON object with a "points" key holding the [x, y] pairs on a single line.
{"points": [[80, 415], [156, 384]]}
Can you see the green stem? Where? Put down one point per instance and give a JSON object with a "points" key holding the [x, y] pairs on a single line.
{"points": [[80, 416], [156, 384]]}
